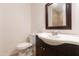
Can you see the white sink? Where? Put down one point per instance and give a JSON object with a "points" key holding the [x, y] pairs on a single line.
{"points": [[49, 38], [58, 39]]}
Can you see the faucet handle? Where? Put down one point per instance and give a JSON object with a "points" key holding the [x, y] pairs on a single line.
{"points": [[55, 32]]}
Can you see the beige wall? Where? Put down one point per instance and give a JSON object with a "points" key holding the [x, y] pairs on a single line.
{"points": [[15, 25], [38, 19]]}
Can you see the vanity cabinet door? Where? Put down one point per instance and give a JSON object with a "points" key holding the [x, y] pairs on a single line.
{"points": [[50, 50], [66, 50], [40, 47], [43, 49]]}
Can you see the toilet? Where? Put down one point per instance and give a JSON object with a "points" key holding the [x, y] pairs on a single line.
{"points": [[27, 48], [24, 49]]}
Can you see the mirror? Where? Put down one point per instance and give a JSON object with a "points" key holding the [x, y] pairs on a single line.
{"points": [[58, 15]]}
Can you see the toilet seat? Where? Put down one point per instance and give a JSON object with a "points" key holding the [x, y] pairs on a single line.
{"points": [[24, 45]]}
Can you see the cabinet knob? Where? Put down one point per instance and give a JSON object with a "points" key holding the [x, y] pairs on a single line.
{"points": [[43, 48]]}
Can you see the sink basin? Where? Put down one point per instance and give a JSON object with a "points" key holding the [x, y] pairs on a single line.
{"points": [[49, 38], [58, 39]]}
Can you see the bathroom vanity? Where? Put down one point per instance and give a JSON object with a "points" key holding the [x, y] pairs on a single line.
{"points": [[63, 49]]}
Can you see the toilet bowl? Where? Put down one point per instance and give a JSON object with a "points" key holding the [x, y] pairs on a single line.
{"points": [[24, 48]]}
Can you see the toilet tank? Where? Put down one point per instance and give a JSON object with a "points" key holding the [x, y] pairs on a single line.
{"points": [[31, 38]]}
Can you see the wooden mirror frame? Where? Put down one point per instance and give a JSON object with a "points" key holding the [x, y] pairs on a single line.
{"points": [[68, 17]]}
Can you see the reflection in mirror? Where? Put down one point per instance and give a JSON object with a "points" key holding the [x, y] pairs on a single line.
{"points": [[57, 14]]}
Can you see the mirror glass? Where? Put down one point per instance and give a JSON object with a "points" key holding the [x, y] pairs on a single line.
{"points": [[57, 14]]}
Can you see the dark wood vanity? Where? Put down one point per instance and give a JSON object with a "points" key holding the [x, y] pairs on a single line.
{"points": [[43, 49]]}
